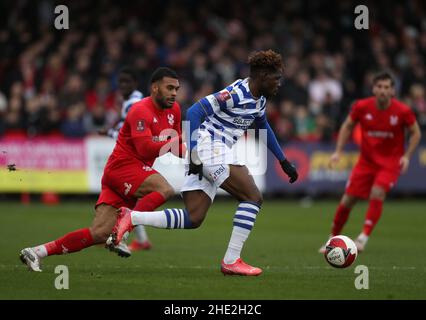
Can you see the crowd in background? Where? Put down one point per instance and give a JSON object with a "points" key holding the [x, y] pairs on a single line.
{"points": [[64, 82]]}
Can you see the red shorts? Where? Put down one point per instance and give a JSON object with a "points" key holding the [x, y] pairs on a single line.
{"points": [[365, 175], [121, 179]]}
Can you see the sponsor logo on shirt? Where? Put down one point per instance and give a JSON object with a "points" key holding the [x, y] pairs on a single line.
{"points": [[160, 138], [242, 122], [380, 134], [140, 125]]}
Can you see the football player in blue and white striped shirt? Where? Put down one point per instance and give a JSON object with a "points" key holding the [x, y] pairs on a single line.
{"points": [[127, 84], [216, 122]]}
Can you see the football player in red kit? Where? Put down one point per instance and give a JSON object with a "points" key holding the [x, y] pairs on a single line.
{"points": [[383, 120], [152, 127]]}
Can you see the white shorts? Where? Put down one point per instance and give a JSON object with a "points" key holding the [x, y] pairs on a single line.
{"points": [[216, 157]]}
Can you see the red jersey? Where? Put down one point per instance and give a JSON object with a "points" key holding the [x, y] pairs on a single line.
{"points": [[146, 130], [382, 131]]}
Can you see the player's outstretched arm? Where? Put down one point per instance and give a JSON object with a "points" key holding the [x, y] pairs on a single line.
{"points": [[273, 145], [344, 134], [415, 135]]}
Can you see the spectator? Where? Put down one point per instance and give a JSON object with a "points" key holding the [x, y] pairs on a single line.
{"points": [[73, 126], [328, 63], [321, 86], [417, 101], [304, 123], [101, 95]]}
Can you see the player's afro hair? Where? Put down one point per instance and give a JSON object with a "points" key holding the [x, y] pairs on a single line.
{"points": [[265, 61]]}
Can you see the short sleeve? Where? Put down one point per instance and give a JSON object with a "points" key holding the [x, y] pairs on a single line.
{"points": [[220, 100], [355, 112], [139, 122], [408, 117]]}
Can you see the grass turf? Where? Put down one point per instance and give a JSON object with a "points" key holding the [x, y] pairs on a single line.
{"points": [[184, 264]]}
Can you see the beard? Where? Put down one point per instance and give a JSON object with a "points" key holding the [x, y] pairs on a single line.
{"points": [[383, 101], [164, 103]]}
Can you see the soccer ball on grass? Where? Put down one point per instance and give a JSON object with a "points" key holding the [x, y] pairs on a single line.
{"points": [[340, 251]]}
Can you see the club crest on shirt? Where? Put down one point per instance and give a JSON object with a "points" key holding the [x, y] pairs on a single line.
{"points": [[171, 119], [223, 96], [393, 120], [140, 125], [127, 188], [368, 116]]}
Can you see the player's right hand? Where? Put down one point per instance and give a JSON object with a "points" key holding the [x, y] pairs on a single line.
{"points": [[334, 159], [290, 170]]}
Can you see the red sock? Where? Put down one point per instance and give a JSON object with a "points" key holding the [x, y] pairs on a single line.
{"points": [[71, 242], [340, 218], [150, 202], [374, 212]]}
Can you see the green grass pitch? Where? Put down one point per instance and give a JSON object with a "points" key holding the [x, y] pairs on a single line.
{"points": [[184, 264]]}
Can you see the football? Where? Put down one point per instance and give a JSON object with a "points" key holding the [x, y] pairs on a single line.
{"points": [[340, 251]]}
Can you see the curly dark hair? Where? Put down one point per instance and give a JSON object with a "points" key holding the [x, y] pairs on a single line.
{"points": [[384, 75], [265, 61]]}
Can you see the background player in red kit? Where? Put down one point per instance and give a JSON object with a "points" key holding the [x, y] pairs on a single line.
{"points": [[152, 125], [383, 120]]}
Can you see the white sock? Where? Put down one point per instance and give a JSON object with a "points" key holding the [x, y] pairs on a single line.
{"points": [[363, 238], [140, 234], [165, 219], [40, 251], [243, 223], [235, 246]]}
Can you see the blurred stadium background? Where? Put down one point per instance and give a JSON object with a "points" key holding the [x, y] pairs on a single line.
{"points": [[58, 87]]}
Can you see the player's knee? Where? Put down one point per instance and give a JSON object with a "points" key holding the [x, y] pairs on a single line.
{"points": [[196, 222], [167, 191], [196, 216], [377, 193], [99, 235], [348, 201]]}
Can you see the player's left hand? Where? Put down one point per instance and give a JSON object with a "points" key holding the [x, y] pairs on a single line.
{"points": [[290, 170], [404, 162]]}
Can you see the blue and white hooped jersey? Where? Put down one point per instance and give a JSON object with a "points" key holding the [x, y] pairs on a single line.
{"points": [[135, 96], [234, 110]]}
